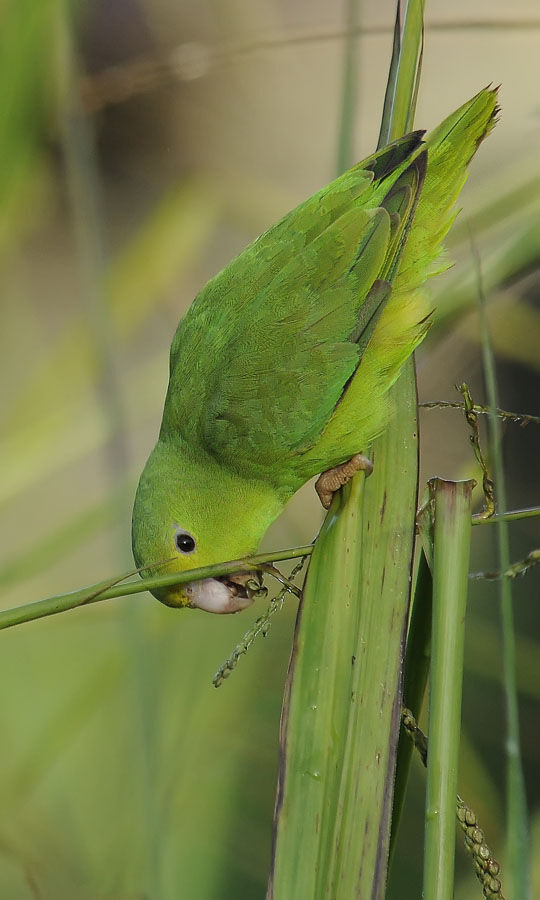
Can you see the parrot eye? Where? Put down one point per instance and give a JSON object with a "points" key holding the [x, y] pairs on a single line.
{"points": [[184, 542]]}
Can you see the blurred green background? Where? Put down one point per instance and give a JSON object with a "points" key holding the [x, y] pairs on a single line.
{"points": [[142, 144]]}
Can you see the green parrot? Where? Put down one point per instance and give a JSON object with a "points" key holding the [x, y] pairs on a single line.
{"points": [[280, 369]]}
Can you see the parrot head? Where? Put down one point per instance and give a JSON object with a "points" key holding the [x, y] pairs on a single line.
{"points": [[185, 517]]}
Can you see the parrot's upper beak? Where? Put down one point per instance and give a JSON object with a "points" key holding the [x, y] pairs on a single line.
{"points": [[228, 594]]}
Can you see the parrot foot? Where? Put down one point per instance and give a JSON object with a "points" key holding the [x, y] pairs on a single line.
{"points": [[330, 481]]}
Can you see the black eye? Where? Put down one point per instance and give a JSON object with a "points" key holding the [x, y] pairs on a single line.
{"points": [[184, 542]]}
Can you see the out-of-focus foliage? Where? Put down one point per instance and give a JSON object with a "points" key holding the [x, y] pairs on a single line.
{"points": [[125, 774]]}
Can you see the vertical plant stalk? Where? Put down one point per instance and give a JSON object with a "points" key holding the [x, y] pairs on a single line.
{"points": [[340, 720], [362, 830], [349, 90], [452, 502], [86, 208], [316, 704], [86, 202], [417, 660], [404, 75], [397, 118], [518, 864], [342, 705]]}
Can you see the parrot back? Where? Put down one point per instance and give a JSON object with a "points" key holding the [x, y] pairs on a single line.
{"points": [[282, 365]]}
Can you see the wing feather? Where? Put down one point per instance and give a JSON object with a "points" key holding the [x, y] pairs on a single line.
{"points": [[266, 351]]}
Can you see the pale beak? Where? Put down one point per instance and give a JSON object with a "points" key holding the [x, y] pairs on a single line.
{"points": [[228, 594]]}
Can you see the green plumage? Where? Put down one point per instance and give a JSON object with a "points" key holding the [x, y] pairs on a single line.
{"points": [[282, 365], [262, 357]]}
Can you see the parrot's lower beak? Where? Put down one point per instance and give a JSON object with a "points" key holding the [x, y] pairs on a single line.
{"points": [[228, 594]]}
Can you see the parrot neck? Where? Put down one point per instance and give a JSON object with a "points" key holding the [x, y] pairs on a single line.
{"points": [[238, 510]]}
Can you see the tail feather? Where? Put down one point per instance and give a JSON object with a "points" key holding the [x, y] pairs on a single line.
{"points": [[405, 319], [387, 160], [451, 146]]}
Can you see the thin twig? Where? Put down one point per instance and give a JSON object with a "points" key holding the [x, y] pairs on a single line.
{"points": [[522, 419], [261, 625], [286, 582], [513, 515], [518, 568], [487, 481]]}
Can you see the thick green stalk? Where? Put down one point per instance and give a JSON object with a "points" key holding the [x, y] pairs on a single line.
{"points": [[349, 91], [417, 661], [402, 87], [452, 534], [362, 833], [334, 800], [84, 186], [341, 711], [316, 705]]}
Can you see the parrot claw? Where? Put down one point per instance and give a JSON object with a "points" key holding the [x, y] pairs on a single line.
{"points": [[330, 481]]}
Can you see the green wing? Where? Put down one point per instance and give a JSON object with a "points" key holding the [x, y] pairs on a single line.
{"points": [[365, 406], [268, 347], [283, 363]]}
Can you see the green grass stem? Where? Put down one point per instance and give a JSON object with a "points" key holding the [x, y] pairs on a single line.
{"points": [[417, 660], [513, 515], [316, 706], [402, 88], [85, 194], [349, 93], [366, 790], [518, 866], [141, 685], [117, 586], [341, 714], [452, 533]]}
